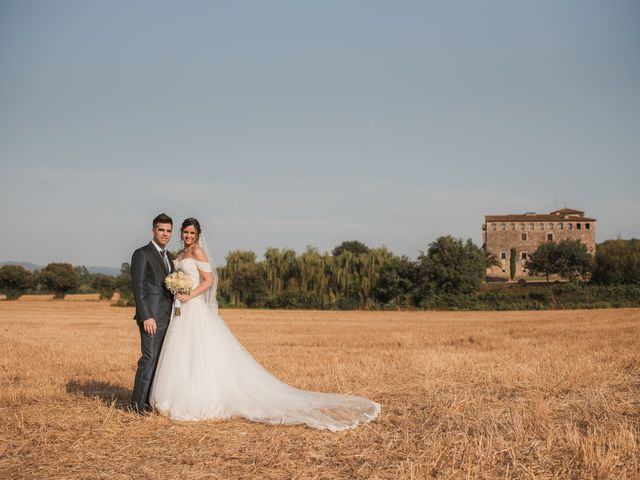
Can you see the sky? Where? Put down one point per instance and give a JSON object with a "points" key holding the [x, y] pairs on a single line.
{"points": [[286, 123]]}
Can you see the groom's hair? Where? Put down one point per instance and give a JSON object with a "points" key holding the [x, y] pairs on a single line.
{"points": [[162, 218]]}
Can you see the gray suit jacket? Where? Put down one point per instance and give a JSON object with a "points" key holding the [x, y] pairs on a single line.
{"points": [[148, 272]]}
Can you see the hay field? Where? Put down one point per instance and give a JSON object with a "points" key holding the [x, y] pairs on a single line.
{"points": [[464, 395]]}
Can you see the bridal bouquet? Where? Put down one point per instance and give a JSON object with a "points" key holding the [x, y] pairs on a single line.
{"points": [[178, 282]]}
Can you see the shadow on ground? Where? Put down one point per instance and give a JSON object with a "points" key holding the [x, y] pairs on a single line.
{"points": [[108, 393]]}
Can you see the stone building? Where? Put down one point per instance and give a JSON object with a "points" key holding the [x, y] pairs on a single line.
{"points": [[523, 233]]}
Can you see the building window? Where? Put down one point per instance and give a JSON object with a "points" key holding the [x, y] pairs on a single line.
{"points": [[503, 255], [550, 237], [560, 226], [550, 226], [523, 256], [578, 226], [587, 226], [541, 226], [569, 226], [531, 226], [493, 226], [523, 236], [522, 226], [503, 226], [513, 226]]}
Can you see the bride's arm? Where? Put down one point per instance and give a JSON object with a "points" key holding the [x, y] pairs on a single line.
{"points": [[206, 278]]}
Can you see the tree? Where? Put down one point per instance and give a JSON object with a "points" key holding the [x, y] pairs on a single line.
{"points": [[544, 260], [568, 258], [354, 246], [15, 280], [85, 276], [105, 284], [60, 278], [512, 263], [249, 285], [282, 270], [397, 282], [617, 262], [491, 260], [452, 265], [124, 285], [243, 281], [574, 260]]}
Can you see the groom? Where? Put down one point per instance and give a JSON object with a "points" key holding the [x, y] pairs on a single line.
{"points": [[149, 267]]}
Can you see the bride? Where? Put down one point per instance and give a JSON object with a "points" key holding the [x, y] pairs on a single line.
{"points": [[204, 372]]}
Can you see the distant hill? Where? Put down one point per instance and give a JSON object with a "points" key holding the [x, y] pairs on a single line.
{"points": [[28, 265], [114, 271], [105, 270]]}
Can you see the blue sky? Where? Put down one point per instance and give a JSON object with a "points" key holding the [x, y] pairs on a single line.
{"points": [[288, 123]]}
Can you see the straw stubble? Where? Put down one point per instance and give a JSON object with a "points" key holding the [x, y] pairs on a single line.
{"points": [[463, 394]]}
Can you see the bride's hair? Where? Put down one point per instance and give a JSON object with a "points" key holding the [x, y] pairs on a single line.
{"points": [[192, 222]]}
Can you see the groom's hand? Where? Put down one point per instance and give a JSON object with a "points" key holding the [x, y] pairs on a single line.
{"points": [[149, 326]]}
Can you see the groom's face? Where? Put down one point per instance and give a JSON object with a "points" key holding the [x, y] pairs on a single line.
{"points": [[162, 233]]}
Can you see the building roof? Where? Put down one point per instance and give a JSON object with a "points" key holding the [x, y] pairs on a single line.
{"points": [[535, 217], [562, 215], [567, 211]]}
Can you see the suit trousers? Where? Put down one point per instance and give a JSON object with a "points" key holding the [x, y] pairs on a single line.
{"points": [[150, 346]]}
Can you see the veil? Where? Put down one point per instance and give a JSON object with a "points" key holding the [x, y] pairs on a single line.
{"points": [[209, 296]]}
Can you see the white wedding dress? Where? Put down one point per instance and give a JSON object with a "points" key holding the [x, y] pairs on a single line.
{"points": [[204, 372]]}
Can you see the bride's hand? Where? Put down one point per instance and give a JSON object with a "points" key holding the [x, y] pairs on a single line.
{"points": [[184, 297]]}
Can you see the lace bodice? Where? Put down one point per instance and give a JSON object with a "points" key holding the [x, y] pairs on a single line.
{"points": [[190, 267]]}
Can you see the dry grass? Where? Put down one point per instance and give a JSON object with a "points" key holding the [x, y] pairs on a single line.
{"points": [[464, 395]]}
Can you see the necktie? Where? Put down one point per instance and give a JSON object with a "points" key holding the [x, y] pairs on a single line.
{"points": [[163, 254]]}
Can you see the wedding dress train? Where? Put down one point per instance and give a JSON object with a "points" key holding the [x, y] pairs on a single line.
{"points": [[204, 372]]}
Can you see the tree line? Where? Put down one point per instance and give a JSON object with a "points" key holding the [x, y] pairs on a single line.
{"points": [[448, 274], [59, 279]]}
